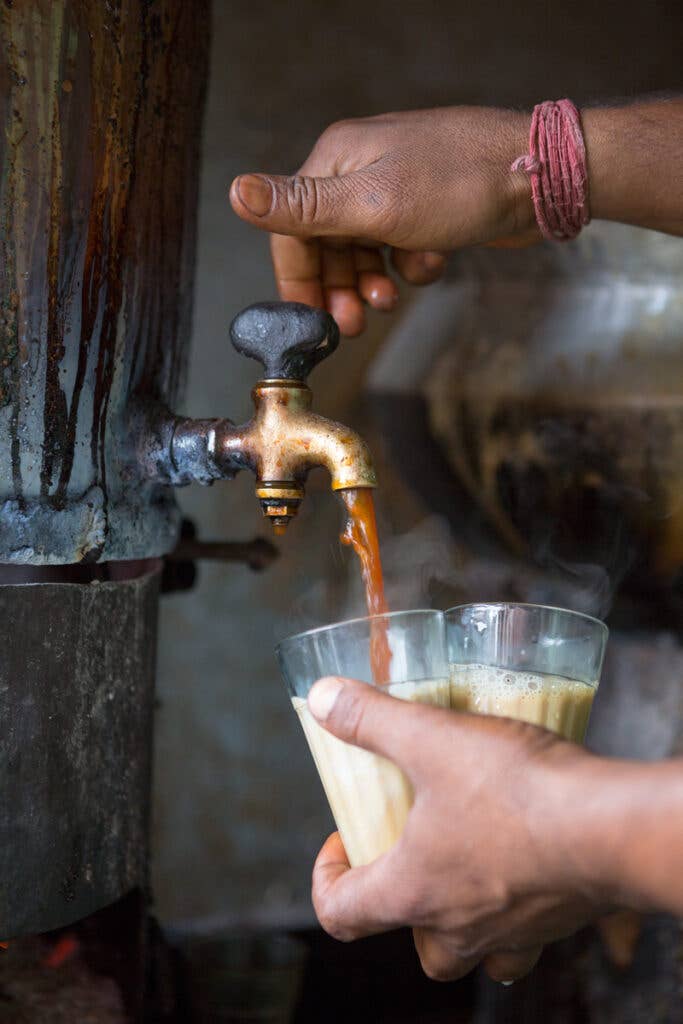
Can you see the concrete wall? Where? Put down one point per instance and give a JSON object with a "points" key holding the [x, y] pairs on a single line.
{"points": [[239, 810]]}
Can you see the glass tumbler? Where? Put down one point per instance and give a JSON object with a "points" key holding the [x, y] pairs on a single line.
{"points": [[403, 653], [531, 662]]}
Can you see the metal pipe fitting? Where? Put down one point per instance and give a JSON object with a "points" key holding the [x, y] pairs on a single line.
{"points": [[280, 444]]}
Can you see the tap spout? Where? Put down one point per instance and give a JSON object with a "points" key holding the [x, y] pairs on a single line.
{"points": [[282, 441], [285, 439]]}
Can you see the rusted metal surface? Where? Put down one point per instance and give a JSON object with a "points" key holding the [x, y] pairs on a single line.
{"points": [[258, 553], [180, 570], [76, 702], [100, 110]]}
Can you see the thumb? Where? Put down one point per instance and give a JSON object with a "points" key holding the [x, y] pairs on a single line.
{"points": [[301, 205], [361, 714]]}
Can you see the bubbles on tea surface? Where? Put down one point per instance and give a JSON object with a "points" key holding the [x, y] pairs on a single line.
{"points": [[488, 684], [554, 702]]}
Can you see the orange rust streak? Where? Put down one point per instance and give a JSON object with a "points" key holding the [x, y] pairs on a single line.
{"points": [[64, 949], [360, 533]]}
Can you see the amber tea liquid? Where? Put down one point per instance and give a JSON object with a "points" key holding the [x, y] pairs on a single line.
{"points": [[554, 702], [360, 533]]}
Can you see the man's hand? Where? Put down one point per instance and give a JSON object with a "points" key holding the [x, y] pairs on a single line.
{"points": [[423, 182], [480, 871], [515, 838]]}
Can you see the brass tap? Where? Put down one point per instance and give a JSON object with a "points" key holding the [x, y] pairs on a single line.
{"points": [[284, 439]]}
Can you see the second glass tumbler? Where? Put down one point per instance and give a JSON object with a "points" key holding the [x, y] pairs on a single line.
{"points": [[532, 662]]}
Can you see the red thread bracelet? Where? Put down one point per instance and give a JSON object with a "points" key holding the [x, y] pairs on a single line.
{"points": [[556, 166]]}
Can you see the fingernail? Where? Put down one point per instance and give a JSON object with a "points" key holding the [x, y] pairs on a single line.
{"points": [[323, 697], [507, 983], [385, 301], [431, 260], [255, 193]]}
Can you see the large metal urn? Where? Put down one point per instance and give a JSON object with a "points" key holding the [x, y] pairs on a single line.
{"points": [[101, 109], [100, 113]]}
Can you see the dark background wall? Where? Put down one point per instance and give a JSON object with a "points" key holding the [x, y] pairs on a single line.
{"points": [[239, 810]]}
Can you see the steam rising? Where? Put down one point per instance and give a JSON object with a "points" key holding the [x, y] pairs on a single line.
{"points": [[426, 568]]}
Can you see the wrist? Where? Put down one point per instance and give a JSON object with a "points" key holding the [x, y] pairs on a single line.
{"points": [[522, 216], [604, 162], [618, 828], [582, 832]]}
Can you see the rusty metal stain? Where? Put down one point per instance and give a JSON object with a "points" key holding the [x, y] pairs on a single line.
{"points": [[101, 107]]}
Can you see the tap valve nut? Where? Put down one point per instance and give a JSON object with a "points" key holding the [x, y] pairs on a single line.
{"points": [[280, 501]]}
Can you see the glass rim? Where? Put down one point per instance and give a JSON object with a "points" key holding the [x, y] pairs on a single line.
{"points": [[528, 604], [352, 622]]}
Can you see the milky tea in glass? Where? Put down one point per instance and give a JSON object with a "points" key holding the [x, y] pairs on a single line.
{"points": [[538, 664], [369, 796]]}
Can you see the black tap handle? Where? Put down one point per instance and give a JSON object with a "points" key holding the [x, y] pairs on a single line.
{"points": [[288, 338]]}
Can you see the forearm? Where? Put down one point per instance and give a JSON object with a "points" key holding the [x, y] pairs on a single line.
{"points": [[623, 821], [635, 163]]}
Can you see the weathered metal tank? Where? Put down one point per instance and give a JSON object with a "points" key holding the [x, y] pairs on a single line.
{"points": [[101, 111], [101, 108]]}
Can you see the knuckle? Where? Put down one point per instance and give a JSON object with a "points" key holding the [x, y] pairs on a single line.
{"points": [[468, 945], [341, 130], [469, 950], [336, 143], [303, 198], [415, 906]]}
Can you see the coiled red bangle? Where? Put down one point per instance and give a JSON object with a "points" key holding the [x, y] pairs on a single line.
{"points": [[556, 166]]}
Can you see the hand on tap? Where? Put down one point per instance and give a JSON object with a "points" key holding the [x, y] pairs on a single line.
{"points": [[515, 837], [426, 182], [421, 182]]}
